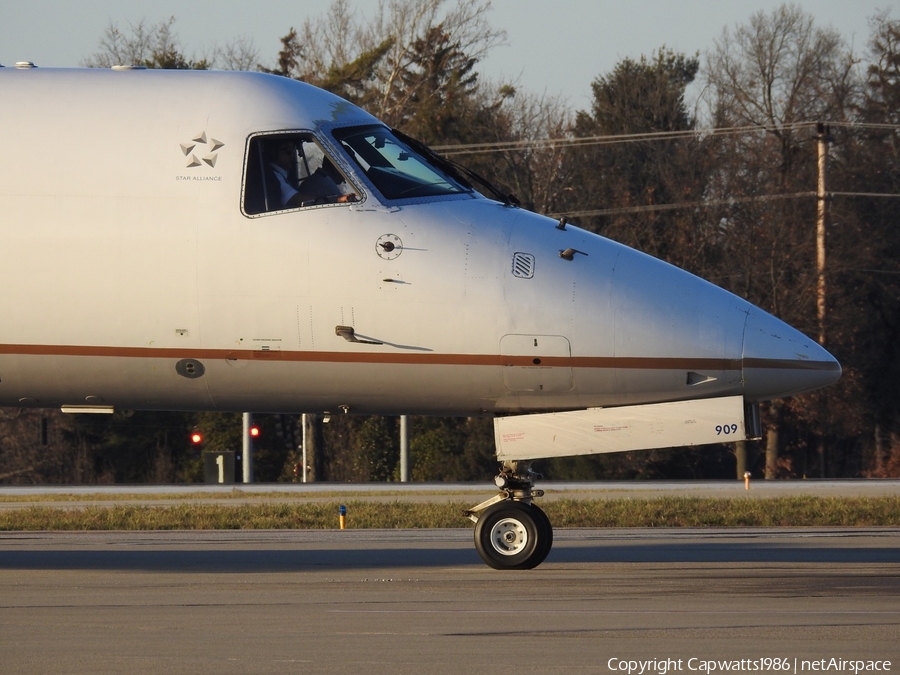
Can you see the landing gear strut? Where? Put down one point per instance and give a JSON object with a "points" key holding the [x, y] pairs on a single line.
{"points": [[510, 531]]}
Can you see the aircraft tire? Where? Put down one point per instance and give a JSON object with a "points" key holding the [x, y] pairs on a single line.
{"points": [[513, 535], [546, 541]]}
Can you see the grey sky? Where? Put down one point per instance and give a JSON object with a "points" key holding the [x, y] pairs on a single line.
{"points": [[556, 48]]}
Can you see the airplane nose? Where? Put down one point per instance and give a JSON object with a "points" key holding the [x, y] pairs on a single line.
{"points": [[780, 361]]}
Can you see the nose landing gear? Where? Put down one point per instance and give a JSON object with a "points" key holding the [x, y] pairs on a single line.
{"points": [[510, 531]]}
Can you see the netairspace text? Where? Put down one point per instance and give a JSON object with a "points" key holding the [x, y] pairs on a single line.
{"points": [[767, 664]]}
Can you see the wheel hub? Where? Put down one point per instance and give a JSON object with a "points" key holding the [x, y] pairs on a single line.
{"points": [[509, 536]]}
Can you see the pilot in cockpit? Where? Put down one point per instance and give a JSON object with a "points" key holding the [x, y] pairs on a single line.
{"points": [[282, 166], [322, 186]]}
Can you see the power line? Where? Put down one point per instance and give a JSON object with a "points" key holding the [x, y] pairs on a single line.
{"points": [[730, 201], [681, 205], [569, 142], [860, 194], [857, 269], [578, 141]]}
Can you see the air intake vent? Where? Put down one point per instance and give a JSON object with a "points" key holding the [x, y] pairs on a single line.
{"points": [[523, 265]]}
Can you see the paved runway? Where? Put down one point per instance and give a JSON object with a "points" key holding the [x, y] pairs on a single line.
{"points": [[375, 601]]}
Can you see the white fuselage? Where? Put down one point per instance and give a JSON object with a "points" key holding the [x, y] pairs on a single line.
{"points": [[133, 276]]}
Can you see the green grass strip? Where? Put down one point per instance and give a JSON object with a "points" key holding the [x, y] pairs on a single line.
{"points": [[661, 512], [235, 494]]}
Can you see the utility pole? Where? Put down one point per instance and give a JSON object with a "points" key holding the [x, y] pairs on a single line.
{"points": [[823, 138], [303, 458], [404, 449], [247, 454]]}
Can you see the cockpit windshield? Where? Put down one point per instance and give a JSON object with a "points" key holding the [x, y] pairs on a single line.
{"points": [[394, 168]]}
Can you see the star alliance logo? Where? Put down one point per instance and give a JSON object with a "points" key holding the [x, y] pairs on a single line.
{"points": [[211, 146]]}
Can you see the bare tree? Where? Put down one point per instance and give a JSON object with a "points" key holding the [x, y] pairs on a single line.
{"points": [[779, 70], [770, 80], [780, 74], [237, 54], [150, 45]]}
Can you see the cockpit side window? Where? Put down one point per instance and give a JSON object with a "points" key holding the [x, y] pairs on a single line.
{"points": [[289, 171], [395, 169]]}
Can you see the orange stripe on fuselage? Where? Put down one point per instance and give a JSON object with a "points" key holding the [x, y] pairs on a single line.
{"points": [[622, 362]]}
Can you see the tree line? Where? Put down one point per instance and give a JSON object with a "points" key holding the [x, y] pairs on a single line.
{"points": [[707, 161]]}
